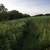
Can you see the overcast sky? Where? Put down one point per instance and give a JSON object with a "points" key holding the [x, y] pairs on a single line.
{"points": [[31, 7]]}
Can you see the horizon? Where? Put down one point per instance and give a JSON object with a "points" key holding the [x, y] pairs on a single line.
{"points": [[31, 7]]}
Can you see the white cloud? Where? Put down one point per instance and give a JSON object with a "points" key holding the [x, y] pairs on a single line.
{"points": [[30, 8]]}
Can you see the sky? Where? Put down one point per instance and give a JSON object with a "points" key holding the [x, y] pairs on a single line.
{"points": [[31, 7]]}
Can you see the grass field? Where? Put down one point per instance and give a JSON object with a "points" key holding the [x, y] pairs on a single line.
{"points": [[11, 33]]}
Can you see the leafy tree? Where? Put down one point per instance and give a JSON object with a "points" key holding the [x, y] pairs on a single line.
{"points": [[47, 14], [2, 8], [10, 15]]}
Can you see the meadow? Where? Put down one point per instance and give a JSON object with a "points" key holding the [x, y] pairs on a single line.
{"points": [[25, 34]]}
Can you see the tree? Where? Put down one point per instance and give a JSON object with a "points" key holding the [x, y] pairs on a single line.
{"points": [[2, 8], [26, 15], [10, 15], [13, 14], [3, 12], [48, 14]]}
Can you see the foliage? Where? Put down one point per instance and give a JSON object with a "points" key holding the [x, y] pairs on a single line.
{"points": [[10, 15], [25, 33]]}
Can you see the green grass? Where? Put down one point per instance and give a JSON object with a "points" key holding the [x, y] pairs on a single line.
{"points": [[16, 26], [11, 31]]}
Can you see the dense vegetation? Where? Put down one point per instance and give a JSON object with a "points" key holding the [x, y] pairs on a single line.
{"points": [[10, 15], [14, 14], [23, 32]]}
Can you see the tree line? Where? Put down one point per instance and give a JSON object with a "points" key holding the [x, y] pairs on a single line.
{"points": [[14, 14], [9, 15]]}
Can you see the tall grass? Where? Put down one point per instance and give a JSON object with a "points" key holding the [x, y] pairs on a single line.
{"points": [[33, 33]]}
